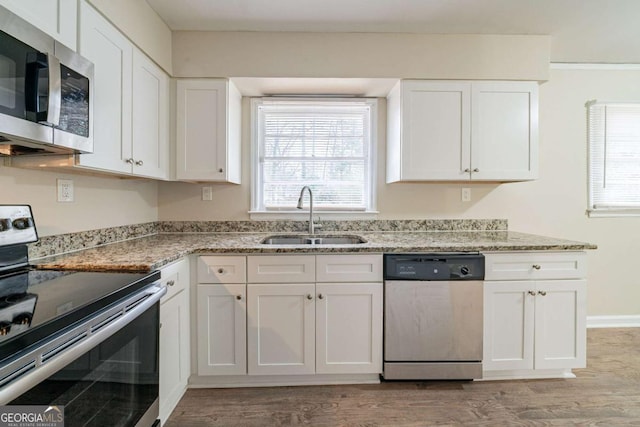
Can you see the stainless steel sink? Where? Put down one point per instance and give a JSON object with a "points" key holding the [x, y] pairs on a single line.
{"points": [[313, 240]]}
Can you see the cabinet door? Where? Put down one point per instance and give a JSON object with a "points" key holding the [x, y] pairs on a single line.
{"points": [[208, 130], [150, 133], [222, 326], [57, 18], [435, 131], [112, 56], [281, 329], [508, 325], [560, 324], [504, 132], [174, 351], [348, 328]]}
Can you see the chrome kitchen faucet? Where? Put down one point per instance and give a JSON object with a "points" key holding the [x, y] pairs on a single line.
{"points": [[299, 206]]}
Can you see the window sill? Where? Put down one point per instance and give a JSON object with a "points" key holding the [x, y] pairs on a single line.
{"points": [[303, 215], [612, 213]]}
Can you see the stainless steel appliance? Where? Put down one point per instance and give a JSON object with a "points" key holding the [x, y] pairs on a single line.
{"points": [[433, 316], [46, 92], [84, 341]]}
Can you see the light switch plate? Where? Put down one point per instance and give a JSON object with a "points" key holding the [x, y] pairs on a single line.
{"points": [[65, 190]]}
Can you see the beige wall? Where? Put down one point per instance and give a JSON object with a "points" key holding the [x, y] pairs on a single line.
{"points": [[553, 205], [259, 54], [142, 25], [99, 201]]}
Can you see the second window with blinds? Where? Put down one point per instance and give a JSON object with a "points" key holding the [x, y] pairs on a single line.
{"points": [[327, 144]]}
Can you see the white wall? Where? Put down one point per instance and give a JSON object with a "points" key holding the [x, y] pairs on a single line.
{"points": [[99, 201], [262, 54], [553, 205], [142, 25]]}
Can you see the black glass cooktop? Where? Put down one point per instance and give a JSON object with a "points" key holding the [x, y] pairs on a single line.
{"points": [[36, 304]]}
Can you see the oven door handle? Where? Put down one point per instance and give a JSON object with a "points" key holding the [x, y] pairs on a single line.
{"points": [[36, 366]]}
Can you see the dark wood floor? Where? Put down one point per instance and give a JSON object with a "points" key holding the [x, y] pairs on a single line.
{"points": [[606, 393]]}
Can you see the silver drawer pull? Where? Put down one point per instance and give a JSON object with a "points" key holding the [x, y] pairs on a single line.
{"points": [[543, 293], [320, 296], [532, 293], [536, 267], [171, 282], [239, 297], [309, 296], [220, 270]]}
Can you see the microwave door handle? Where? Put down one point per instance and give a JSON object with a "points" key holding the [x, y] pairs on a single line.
{"points": [[55, 91]]}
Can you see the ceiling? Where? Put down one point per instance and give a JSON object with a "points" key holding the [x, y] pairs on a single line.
{"points": [[581, 30]]}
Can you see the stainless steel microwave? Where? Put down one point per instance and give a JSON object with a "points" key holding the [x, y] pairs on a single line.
{"points": [[46, 93]]}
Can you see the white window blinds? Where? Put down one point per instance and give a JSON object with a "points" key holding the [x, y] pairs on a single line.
{"points": [[614, 158], [325, 144]]}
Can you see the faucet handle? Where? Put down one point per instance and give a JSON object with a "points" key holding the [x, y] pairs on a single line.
{"points": [[317, 224]]}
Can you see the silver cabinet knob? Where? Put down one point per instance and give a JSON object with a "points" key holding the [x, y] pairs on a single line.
{"points": [[476, 170], [129, 161], [532, 293], [536, 267], [320, 296], [139, 163], [309, 296], [467, 170], [543, 293], [220, 270], [220, 170], [239, 297], [171, 282]]}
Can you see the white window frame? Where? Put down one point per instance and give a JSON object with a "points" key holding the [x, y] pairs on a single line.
{"points": [[257, 208], [598, 180]]}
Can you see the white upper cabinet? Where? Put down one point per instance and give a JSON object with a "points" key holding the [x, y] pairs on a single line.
{"points": [[504, 131], [461, 131], [150, 112], [112, 56], [208, 130], [131, 103], [55, 17]]}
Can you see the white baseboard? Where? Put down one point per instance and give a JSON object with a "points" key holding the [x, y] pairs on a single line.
{"points": [[631, 321]]}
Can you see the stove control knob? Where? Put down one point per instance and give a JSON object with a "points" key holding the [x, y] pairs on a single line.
{"points": [[464, 270]]}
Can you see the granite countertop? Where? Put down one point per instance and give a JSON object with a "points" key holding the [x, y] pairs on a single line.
{"points": [[152, 252]]}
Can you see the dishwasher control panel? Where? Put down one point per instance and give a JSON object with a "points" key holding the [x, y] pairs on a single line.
{"points": [[434, 266]]}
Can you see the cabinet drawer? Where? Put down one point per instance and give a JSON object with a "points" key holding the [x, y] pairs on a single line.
{"points": [[281, 269], [535, 265], [175, 277], [349, 268], [222, 269]]}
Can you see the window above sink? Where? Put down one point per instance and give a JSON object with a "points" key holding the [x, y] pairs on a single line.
{"points": [[326, 143]]}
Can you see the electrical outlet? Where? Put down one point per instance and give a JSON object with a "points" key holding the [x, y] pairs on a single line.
{"points": [[466, 194], [207, 193], [65, 190]]}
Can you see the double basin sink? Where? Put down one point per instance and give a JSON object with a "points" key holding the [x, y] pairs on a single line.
{"points": [[313, 240]]}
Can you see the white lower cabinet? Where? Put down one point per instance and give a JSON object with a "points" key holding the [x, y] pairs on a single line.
{"points": [[222, 329], [348, 328], [174, 336], [281, 322], [281, 334], [324, 328], [534, 328]]}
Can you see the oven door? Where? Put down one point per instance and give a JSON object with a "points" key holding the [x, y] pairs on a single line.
{"points": [[112, 383]]}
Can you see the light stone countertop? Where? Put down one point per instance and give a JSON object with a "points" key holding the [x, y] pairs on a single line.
{"points": [[152, 252]]}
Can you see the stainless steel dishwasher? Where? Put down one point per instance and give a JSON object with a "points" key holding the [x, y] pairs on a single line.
{"points": [[433, 316]]}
